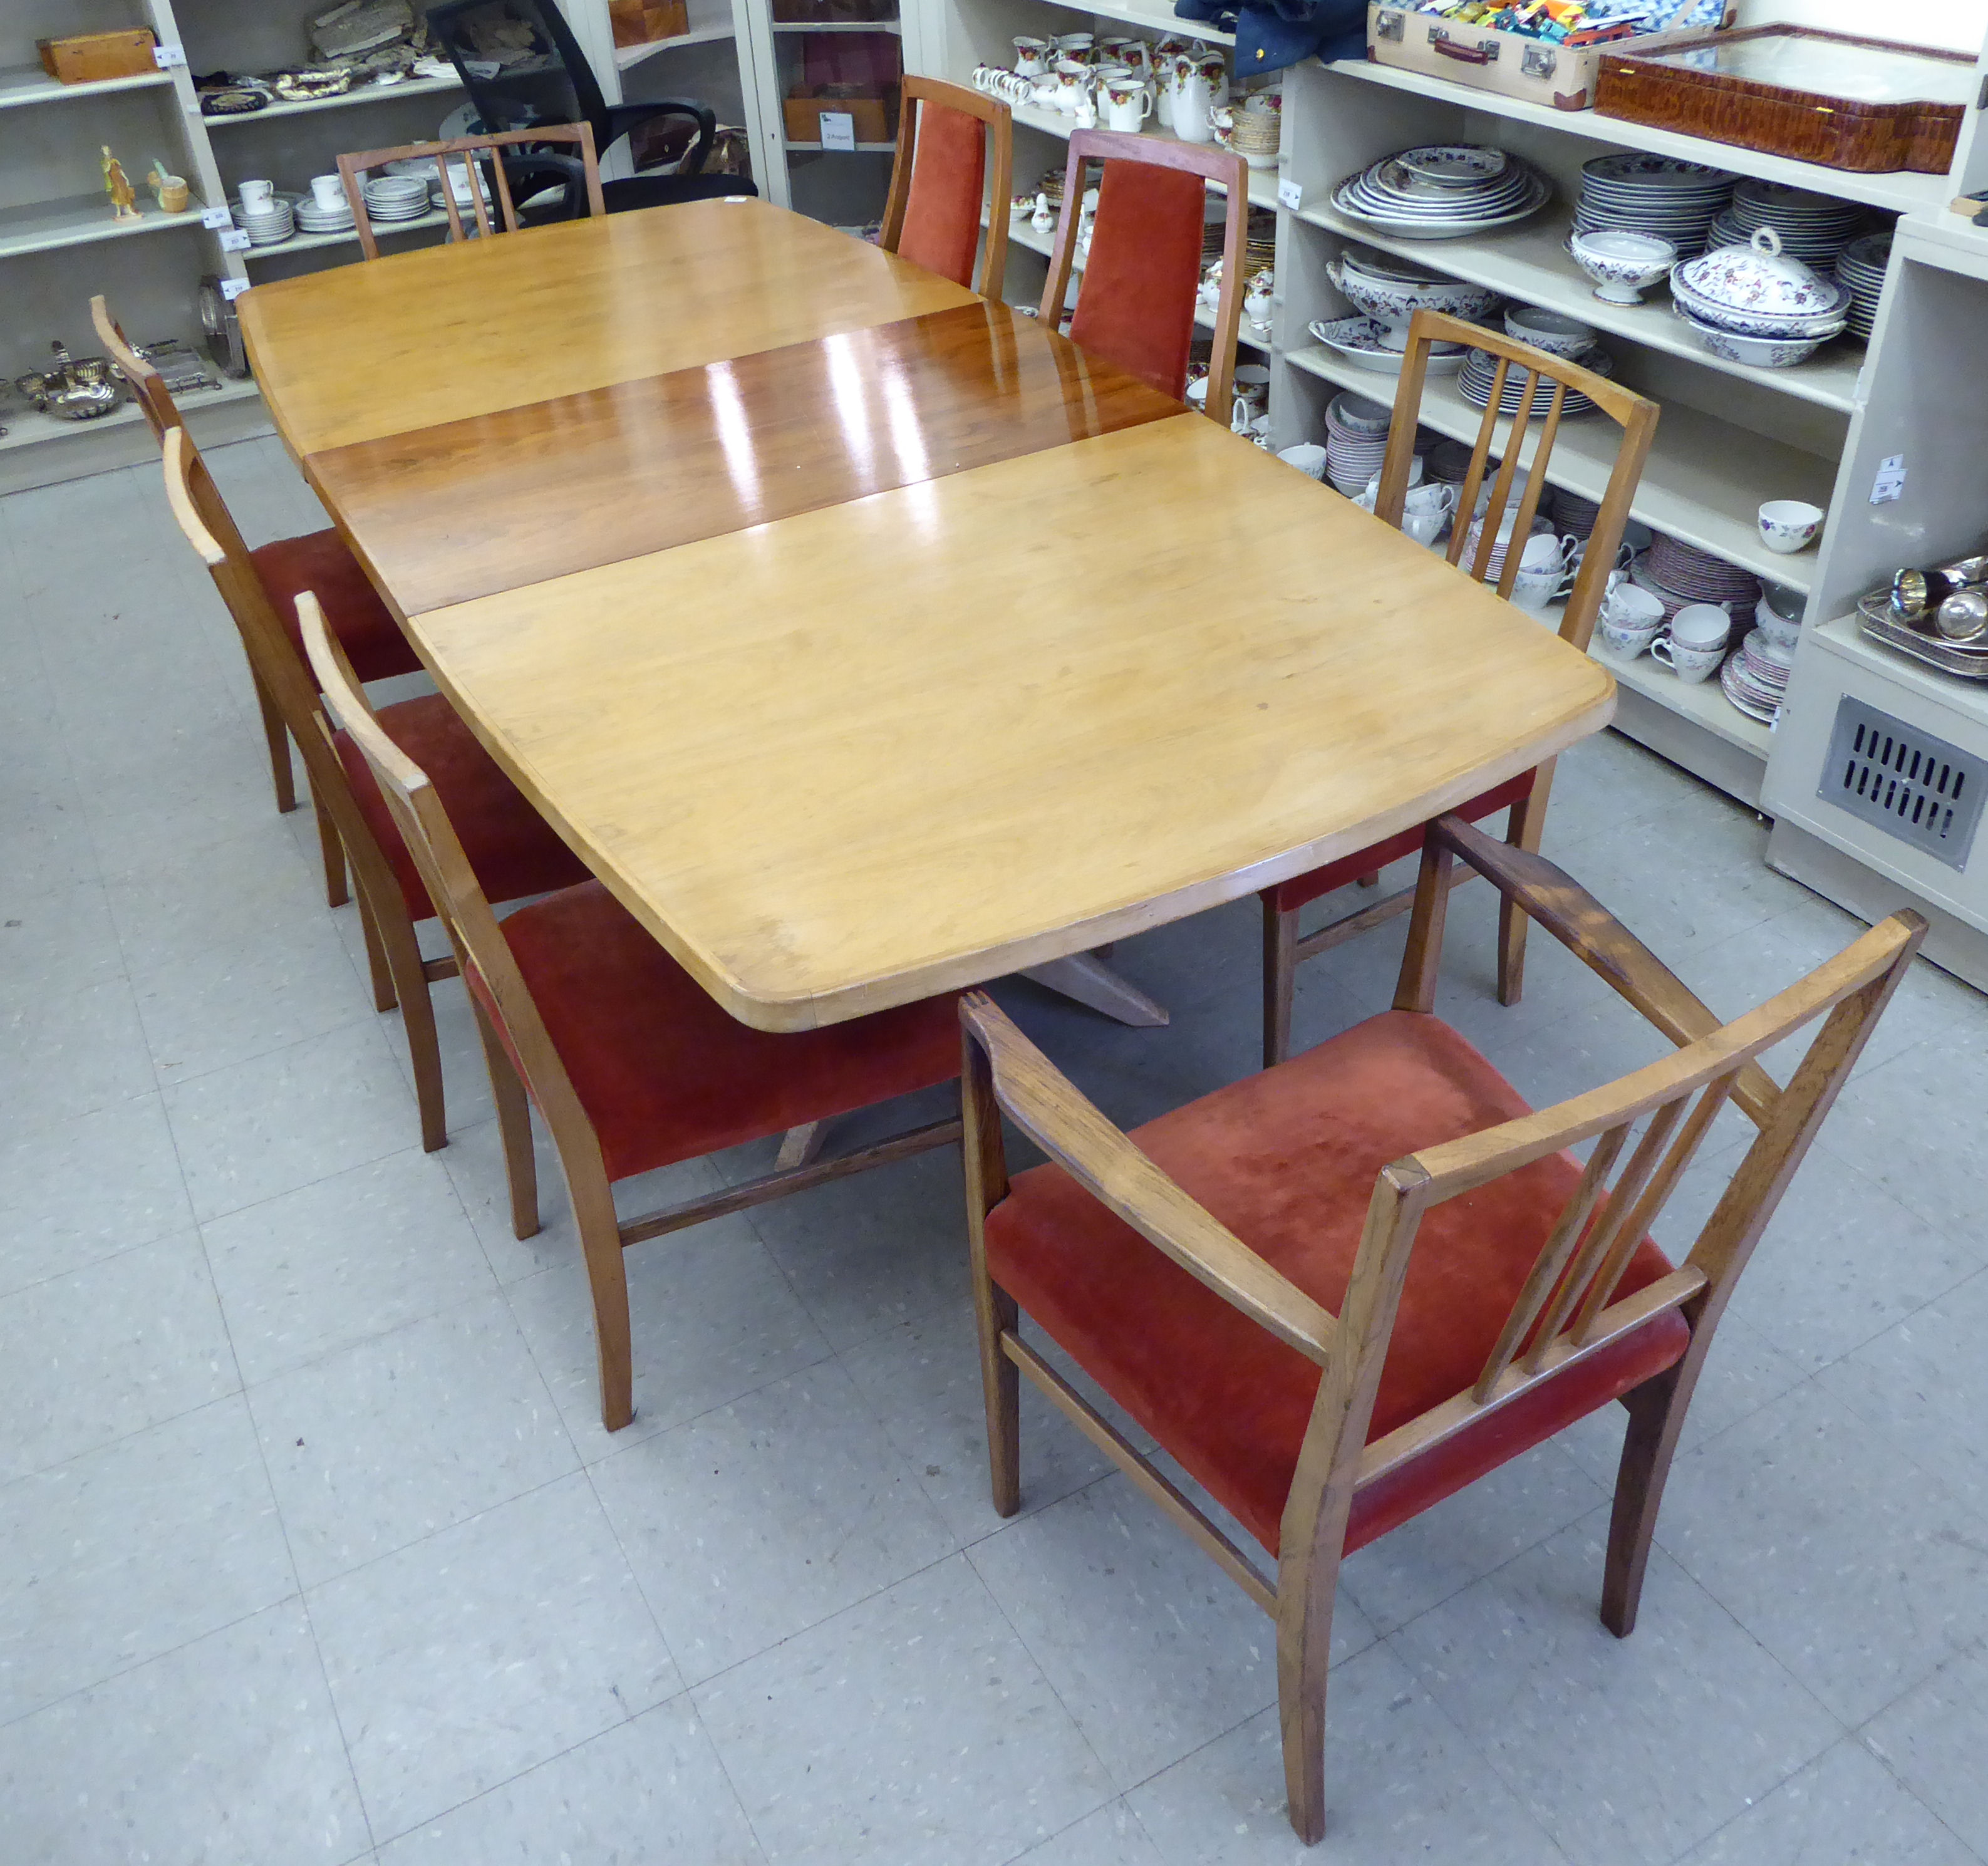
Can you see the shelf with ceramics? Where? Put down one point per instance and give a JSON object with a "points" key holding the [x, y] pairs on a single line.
{"points": [[1263, 182]]}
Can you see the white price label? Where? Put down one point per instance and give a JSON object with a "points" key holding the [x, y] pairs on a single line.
{"points": [[1890, 483], [213, 217], [1290, 194], [234, 239], [838, 129], [232, 288], [166, 57]]}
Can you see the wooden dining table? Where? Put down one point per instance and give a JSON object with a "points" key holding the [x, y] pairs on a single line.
{"points": [[867, 639]]}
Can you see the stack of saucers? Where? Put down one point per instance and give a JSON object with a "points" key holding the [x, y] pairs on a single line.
{"points": [[313, 218], [1678, 574], [1814, 229], [1356, 441], [1756, 678], [1636, 193], [1480, 370], [1860, 270], [392, 198], [270, 224], [1573, 517], [1443, 192]]}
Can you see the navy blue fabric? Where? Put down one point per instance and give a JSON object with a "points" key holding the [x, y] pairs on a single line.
{"points": [[1271, 34]]}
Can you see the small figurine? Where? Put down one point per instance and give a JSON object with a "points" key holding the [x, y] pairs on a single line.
{"points": [[123, 196]]}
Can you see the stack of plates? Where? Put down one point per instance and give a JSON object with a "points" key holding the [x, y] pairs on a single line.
{"points": [[1573, 517], [1361, 342], [1814, 229], [312, 218], [391, 198], [1677, 200], [1755, 678], [1480, 370], [1860, 270], [1449, 461], [1444, 191], [1678, 574], [1356, 441], [271, 225]]}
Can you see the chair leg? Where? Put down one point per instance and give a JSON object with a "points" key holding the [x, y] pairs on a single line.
{"points": [[1304, 1652], [1000, 1381], [513, 1127], [395, 933], [1656, 1416], [608, 1278], [385, 996], [282, 776], [336, 892], [1280, 974], [1524, 829]]}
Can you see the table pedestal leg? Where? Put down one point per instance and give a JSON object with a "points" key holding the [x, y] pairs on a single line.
{"points": [[1086, 978]]}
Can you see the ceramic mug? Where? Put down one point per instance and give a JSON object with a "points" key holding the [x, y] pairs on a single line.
{"points": [[1031, 57], [329, 192], [258, 194], [1787, 524], [1690, 664], [1127, 104]]}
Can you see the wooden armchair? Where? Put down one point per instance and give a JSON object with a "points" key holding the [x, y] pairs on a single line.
{"points": [[1340, 1290], [1499, 479]]}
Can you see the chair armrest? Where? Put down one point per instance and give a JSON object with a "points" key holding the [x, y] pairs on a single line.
{"points": [[528, 171], [1552, 897], [1047, 1107], [624, 117]]}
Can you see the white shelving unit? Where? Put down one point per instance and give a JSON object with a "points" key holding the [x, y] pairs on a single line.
{"points": [[845, 187]]}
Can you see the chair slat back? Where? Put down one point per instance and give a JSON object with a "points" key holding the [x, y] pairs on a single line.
{"points": [[1222, 165], [1571, 1302], [479, 157], [155, 398], [919, 95], [481, 952], [1537, 422]]}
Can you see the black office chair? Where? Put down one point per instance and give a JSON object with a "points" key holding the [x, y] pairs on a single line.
{"points": [[521, 65]]}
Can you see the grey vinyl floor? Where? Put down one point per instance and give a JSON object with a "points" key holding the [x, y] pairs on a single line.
{"points": [[313, 1549]]}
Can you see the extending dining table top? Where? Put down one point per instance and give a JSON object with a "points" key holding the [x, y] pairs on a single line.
{"points": [[867, 639]]}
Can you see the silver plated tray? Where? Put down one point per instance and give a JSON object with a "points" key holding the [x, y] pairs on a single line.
{"points": [[1874, 617]]}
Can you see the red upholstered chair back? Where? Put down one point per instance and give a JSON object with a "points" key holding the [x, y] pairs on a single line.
{"points": [[488, 967], [1135, 308], [949, 139]]}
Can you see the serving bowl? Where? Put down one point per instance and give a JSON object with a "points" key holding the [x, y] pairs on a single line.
{"points": [[1623, 266], [1751, 324], [1554, 332], [1760, 352], [1391, 293]]}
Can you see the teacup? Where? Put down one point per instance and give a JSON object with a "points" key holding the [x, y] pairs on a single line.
{"points": [[1534, 589], [1630, 605], [1630, 639], [1690, 664], [1436, 499], [1701, 625], [1424, 527], [1032, 55], [329, 192], [1777, 630], [1787, 524], [258, 194]]}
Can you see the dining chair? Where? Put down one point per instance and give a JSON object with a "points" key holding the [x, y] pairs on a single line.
{"points": [[941, 183], [632, 1064], [318, 560], [1337, 1292], [507, 162], [1142, 279], [514, 852], [553, 84], [1496, 478]]}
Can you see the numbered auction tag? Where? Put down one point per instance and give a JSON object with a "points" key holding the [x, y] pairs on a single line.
{"points": [[1290, 194], [166, 57], [232, 288], [1890, 483], [838, 129], [234, 239], [215, 217]]}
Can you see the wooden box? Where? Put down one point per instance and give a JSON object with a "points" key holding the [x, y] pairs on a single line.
{"points": [[803, 110], [87, 58], [1511, 64], [1725, 97], [642, 23]]}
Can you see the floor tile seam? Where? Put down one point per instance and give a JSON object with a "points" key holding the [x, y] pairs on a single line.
{"points": [[1858, 1346], [237, 1391], [641, 1592], [249, 1056], [1105, 1769], [8, 1293], [205, 1218], [1860, 1737], [1976, 1648], [303, 1599]]}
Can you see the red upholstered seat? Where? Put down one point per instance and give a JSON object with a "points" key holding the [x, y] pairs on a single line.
{"points": [[514, 850], [949, 176], [664, 1074], [320, 561], [1287, 1161], [1137, 307], [1308, 887]]}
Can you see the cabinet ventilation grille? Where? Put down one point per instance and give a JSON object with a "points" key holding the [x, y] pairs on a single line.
{"points": [[1920, 789]]}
